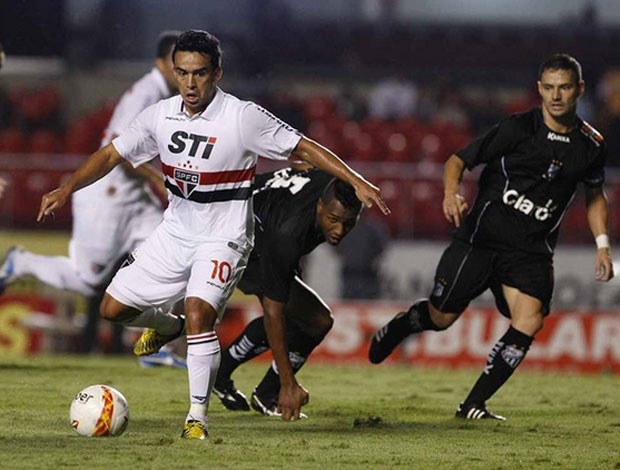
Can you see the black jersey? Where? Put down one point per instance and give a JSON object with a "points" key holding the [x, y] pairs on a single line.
{"points": [[285, 219], [530, 178]]}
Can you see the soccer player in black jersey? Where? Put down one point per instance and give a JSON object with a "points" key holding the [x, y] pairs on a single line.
{"points": [[295, 211], [533, 163]]}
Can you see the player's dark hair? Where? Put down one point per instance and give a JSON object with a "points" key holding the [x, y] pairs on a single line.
{"points": [[205, 43], [561, 62], [342, 191], [165, 43]]}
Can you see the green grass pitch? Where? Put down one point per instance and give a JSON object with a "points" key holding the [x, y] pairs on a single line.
{"points": [[554, 420]]}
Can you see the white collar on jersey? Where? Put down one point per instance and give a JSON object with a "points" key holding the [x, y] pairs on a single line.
{"points": [[211, 112]]}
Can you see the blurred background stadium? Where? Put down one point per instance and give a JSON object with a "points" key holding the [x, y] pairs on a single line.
{"points": [[392, 86]]}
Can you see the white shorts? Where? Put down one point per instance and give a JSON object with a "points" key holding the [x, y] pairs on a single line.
{"points": [[164, 269], [104, 233]]}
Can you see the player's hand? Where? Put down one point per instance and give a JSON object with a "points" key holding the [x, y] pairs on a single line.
{"points": [[3, 185], [454, 208], [290, 401], [604, 268], [369, 194], [51, 201]]}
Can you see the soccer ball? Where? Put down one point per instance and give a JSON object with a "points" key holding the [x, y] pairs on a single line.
{"points": [[99, 410]]}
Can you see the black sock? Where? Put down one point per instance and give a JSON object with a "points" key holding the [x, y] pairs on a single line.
{"points": [[300, 345], [503, 359], [420, 317], [251, 343]]}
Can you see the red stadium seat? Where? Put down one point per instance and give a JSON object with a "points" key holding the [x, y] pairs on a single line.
{"points": [[38, 106], [318, 107], [426, 208], [81, 138], [432, 148], [398, 148], [364, 148], [44, 141], [12, 140]]}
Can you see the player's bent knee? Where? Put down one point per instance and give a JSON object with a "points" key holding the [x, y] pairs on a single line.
{"points": [[530, 325], [200, 316], [111, 309], [324, 323], [442, 320]]}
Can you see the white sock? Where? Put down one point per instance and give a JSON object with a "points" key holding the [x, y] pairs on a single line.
{"points": [[56, 271], [159, 319], [203, 360]]}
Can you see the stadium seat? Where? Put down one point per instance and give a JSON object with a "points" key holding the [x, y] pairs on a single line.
{"points": [[12, 140], [81, 138], [426, 196], [398, 149], [38, 107], [44, 141], [432, 148], [364, 148], [318, 107], [320, 131]]}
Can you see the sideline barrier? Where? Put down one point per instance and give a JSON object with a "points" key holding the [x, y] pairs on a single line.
{"points": [[580, 342]]}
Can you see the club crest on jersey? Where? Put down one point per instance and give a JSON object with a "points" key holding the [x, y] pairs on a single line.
{"points": [[186, 180], [553, 170]]}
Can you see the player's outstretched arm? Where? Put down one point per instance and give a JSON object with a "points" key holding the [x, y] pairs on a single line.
{"points": [[324, 159], [97, 166], [597, 211], [454, 205], [292, 395]]}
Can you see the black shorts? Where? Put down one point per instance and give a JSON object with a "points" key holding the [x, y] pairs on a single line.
{"points": [[250, 283], [466, 271]]}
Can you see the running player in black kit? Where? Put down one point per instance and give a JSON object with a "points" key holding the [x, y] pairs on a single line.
{"points": [[294, 211], [534, 162]]}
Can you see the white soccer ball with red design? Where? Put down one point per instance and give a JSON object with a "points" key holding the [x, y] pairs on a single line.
{"points": [[99, 410]]}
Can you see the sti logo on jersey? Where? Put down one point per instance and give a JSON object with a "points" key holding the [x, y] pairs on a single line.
{"points": [[186, 181], [180, 140]]}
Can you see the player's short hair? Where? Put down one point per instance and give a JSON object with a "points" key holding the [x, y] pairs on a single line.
{"points": [[196, 40], [342, 191], [561, 62], [165, 43]]}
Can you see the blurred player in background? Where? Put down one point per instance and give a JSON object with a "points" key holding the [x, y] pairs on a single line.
{"points": [[3, 182], [110, 217], [534, 162], [208, 142], [295, 211]]}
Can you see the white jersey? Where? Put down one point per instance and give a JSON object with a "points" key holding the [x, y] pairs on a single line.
{"points": [[117, 187], [208, 161]]}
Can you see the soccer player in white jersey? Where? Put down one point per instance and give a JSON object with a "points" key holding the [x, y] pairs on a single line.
{"points": [[208, 142], [112, 216]]}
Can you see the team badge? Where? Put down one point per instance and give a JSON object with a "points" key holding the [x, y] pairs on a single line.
{"points": [[512, 356], [186, 181], [438, 289], [553, 170]]}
